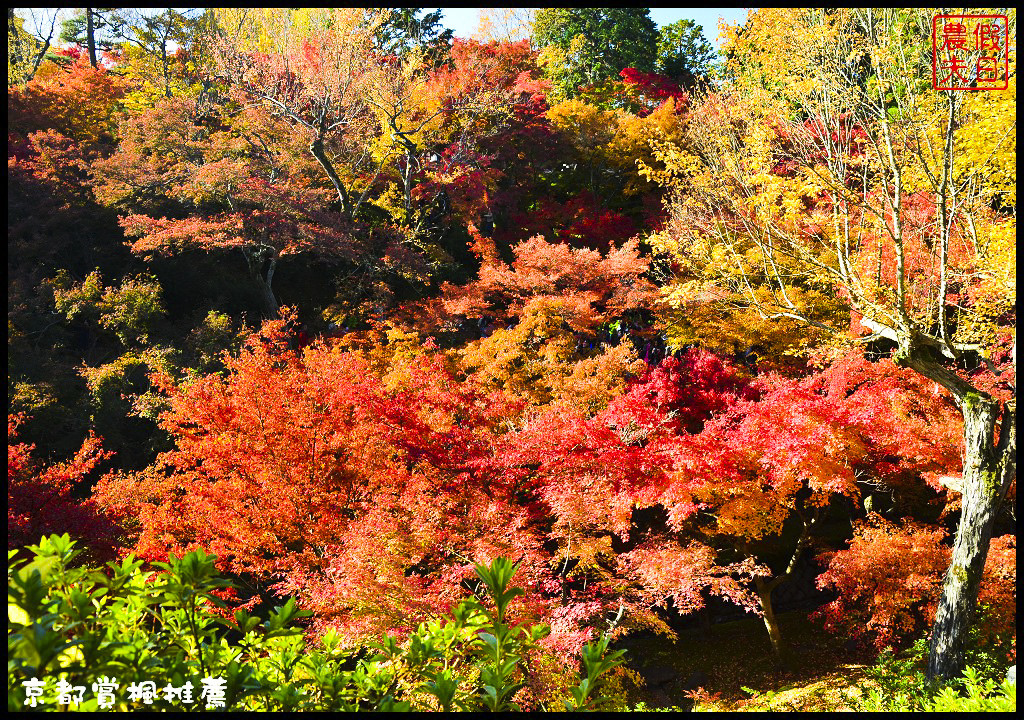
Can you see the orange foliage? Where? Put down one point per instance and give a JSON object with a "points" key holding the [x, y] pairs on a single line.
{"points": [[594, 288], [78, 102], [542, 360], [332, 481], [889, 580]]}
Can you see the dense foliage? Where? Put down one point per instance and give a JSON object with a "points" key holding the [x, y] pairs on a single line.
{"points": [[136, 633], [345, 308], [887, 583], [897, 683]]}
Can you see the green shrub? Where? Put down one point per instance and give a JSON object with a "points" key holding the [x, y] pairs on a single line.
{"points": [[159, 637], [214, 336], [897, 683], [128, 311]]}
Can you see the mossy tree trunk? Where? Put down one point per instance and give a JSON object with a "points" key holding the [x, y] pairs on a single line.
{"points": [[990, 466]]}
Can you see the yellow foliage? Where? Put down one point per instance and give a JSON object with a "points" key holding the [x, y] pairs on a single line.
{"points": [[994, 296], [588, 128], [282, 30], [787, 52], [558, 63], [539, 359], [796, 199], [632, 148], [753, 515], [987, 141], [620, 140]]}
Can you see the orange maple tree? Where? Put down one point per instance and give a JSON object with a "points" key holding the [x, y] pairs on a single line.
{"points": [[889, 579]]}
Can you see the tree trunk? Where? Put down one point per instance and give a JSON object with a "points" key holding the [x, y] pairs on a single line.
{"points": [[704, 614], [40, 56], [989, 468], [255, 259], [990, 465], [273, 310], [90, 37], [764, 593], [765, 588], [164, 60], [317, 149], [407, 185]]}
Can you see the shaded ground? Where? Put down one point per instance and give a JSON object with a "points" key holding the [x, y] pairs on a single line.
{"points": [[733, 663]]}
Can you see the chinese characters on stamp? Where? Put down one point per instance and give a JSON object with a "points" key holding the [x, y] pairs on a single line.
{"points": [[970, 52]]}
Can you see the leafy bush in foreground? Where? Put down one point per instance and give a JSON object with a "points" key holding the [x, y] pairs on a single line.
{"points": [[898, 684], [158, 643]]}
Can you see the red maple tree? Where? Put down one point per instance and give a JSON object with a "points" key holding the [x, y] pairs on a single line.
{"points": [[41, 500]]}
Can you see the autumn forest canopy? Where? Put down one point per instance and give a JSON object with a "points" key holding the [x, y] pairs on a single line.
{"points": [[527, 348]]}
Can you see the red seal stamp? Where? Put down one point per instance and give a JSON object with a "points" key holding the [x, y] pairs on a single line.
{"points": [[970, 52]]}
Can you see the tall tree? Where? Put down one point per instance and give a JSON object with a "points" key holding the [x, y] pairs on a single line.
{"points": [[93, 29], [20, 46], [684, 54], [509, 24], [590, 45], [432, 125], [26, 50], [882, 192], [403, 31], [313, 68], [149, 40], [187, 177]]}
